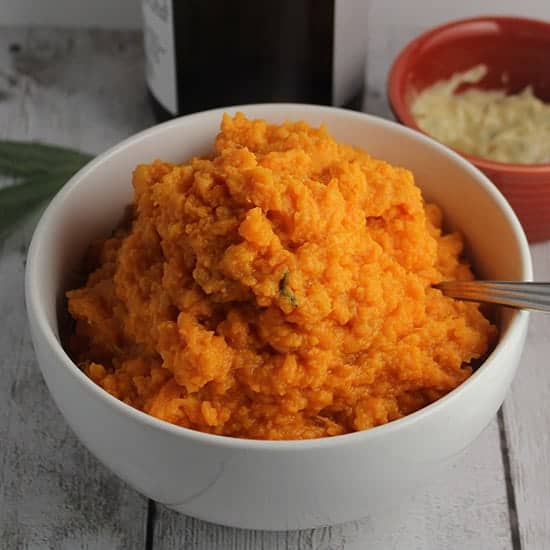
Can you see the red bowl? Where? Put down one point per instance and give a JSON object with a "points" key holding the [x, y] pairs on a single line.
{"points": [[512, 46]]}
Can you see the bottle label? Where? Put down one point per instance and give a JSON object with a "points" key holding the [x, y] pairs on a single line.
{"points": [[158, 32], [350, 48]]}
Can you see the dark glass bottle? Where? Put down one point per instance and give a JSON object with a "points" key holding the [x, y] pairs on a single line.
{"points": [[203, 54]]}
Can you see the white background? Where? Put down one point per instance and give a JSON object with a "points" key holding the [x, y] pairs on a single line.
{"points": [[127, 13]]}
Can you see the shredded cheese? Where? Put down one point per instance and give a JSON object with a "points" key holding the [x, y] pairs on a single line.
{"points": [[486, 123]]}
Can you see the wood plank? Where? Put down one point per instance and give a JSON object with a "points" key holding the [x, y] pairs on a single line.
{"points": [[82, 89], [466, 508], [527, 420], [53, 493]]}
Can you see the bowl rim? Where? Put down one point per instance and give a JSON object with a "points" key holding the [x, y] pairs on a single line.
{"points": [[37, 314], [401, 110]]}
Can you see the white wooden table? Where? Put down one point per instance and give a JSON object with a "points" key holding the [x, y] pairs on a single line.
{"points": [[85, 89]]}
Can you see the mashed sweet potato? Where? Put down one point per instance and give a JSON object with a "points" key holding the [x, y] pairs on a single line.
{"points": [[279, 289]]}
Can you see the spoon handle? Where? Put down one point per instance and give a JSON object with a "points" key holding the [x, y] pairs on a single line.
{"points": [[523, 295]]}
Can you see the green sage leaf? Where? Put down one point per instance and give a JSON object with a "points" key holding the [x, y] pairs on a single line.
{"points": [[39, 170]]}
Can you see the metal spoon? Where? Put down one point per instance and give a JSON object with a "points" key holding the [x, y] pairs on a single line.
{"points": [[505, 293]]}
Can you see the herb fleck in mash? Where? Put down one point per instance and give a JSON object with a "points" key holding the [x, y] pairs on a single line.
{"points": [[279, 289], [486, 123]]}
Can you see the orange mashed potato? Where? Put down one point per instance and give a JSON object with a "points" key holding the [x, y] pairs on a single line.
{"points": [[279, 289]]}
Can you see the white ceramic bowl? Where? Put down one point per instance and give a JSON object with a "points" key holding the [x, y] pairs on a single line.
{"points": [[266, 484]]}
